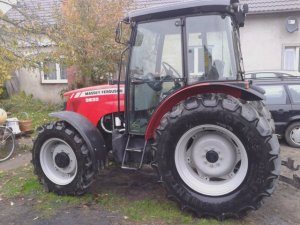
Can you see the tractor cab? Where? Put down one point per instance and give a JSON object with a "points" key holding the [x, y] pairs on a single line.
{"points": [[172, 47]]}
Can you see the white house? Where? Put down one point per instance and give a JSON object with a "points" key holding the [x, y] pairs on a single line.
{"points": [[266, 42]]}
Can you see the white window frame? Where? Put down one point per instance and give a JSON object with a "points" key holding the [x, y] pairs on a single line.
{"points": [[297, 56], [58, 78]]}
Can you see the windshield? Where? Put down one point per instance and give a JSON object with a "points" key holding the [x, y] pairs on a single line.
{"points": [[210, 49]]}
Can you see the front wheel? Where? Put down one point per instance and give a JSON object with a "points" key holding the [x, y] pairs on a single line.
{"points": [[61, 160], [217, 156]]}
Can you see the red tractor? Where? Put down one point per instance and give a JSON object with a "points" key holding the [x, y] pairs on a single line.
{"points": [[183, 107]]}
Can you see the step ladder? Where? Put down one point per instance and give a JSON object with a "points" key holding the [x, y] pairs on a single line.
{"points": [[136, 150]]}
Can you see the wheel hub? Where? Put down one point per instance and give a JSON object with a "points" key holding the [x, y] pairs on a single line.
{"points": [[62, 160], [212, 156]]}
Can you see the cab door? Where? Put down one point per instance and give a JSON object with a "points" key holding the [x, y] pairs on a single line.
{"points": [[155, 70]]}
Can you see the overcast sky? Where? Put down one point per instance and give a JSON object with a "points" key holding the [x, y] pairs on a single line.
{"points": [[4, 7]]}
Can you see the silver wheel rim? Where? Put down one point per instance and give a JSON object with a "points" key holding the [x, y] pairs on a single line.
{"points": [[58, 175], [211, 160], [295, 135]]}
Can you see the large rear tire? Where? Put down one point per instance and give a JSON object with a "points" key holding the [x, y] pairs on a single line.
{"points": [[263, 111], [61, 160], [217, 156]]}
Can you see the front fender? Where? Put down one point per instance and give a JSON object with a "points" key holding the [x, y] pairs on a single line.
{"points": [[202, 88], [91, 135]]}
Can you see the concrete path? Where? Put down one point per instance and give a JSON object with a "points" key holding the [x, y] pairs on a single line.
{"points": [[21, 156], [16, 162]]}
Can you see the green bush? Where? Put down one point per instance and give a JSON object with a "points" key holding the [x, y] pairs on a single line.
{"points": [[37, 110]]}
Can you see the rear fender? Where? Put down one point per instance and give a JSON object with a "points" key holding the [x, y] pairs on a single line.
{"points": [[91, 135], [203, 88]]}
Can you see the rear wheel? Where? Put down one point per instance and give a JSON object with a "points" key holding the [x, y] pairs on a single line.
{"points": [[61, 160], [217, 156], [292, 135]]}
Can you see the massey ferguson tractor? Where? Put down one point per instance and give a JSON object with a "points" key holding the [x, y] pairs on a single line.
{"points": [[183, 107]]}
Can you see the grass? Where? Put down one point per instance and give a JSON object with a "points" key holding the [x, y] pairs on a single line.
{"points": [[37, 110], [147, 211], [21, 183]]}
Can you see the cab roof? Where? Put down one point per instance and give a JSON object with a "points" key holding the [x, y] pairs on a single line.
{"points": [[180, 9]]}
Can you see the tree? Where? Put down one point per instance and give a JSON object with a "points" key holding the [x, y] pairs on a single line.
{"points": [[80, 32], [85, 36], [19, 38]]}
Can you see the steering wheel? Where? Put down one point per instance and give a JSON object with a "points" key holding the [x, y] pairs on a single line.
{"points": [[168, 68]]}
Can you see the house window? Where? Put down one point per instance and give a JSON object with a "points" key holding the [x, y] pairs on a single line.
{"points": [[53, 73], [291, 59]]}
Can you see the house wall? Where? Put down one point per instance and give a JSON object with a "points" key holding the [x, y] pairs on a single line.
{"points": [[30, 83], [263, 39]]}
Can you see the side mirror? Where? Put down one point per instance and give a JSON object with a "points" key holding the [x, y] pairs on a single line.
{"points": [[119, 33]]}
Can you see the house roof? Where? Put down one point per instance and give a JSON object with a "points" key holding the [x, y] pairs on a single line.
{"points": [[272, 6], [42, 10], [255, 6]]}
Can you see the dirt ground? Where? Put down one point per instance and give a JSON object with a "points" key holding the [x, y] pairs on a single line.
{"points": [[282, 208]]}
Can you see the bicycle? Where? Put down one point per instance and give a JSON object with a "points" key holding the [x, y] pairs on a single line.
{"points": [[7, 143]]}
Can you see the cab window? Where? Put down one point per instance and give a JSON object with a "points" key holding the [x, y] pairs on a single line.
{"points": [[210, 49]]}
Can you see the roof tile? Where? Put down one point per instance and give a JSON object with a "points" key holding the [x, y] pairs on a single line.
{"points": [[255, 6], [44, 10], [269, 6], [41, 10]]}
